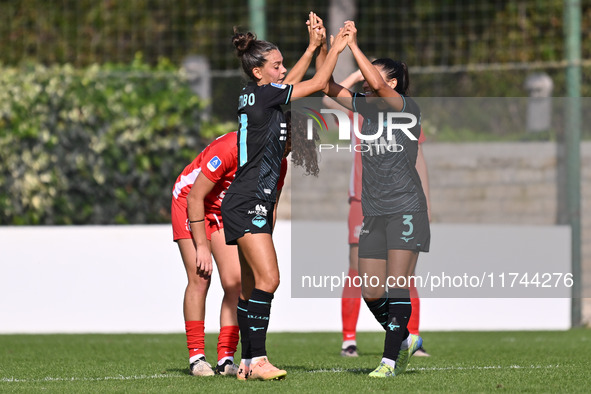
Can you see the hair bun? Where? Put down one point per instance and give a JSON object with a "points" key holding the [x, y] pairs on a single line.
{"points": [[242, 42]]}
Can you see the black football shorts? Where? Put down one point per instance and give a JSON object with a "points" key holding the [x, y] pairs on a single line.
{"points": [[400, 231], [242, 214]]}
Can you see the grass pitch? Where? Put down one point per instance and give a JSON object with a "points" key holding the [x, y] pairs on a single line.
{"points": [[460, 362]]}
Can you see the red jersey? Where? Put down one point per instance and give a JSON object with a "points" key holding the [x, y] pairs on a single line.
{"points": [[218, 162]]}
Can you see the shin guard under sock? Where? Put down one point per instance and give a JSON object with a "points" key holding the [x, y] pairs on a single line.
{"points": [[195, 330], [259, 310], [243, 325], [399, 311], [227, 342], [379, 308]]}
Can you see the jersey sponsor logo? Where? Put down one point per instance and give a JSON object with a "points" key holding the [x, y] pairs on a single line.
{"points": [[362, 229], [357, 231], [214, 163], [259, 210], [278, 85], [405, 239]]}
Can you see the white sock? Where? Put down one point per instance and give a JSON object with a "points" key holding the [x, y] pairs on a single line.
{"points": [[222, 360], [389, 362], [348, 343], [196, 357], [405, 344], [257, 359], [246, 361]]}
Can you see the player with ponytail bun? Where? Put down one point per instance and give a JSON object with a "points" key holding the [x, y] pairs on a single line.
{"points": [[249, 206]]}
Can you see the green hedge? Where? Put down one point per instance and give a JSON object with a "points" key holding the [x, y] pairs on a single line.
{"points": [[96, 146]]}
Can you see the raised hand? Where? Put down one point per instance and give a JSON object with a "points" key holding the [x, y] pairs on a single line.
{"points": [[351, 32], [340, 41], [316, 30]]}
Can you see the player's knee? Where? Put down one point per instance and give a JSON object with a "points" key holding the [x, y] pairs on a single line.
{"points": [[268, 283], [198, 286], [232, 286], [370, 294]]}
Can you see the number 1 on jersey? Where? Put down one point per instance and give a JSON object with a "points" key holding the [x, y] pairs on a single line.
{"points": [[242, 143]]}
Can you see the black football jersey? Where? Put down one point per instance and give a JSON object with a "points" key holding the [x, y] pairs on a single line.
{"points": [[390, 181], [262, 136]]}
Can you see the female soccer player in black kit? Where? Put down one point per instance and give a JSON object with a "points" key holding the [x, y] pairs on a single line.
{"points": [[396, 223], [249, 205]]}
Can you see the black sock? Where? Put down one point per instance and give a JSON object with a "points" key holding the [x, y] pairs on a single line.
{"points": [[399, 310], [259, 309], [379, 308], [243, 325]]}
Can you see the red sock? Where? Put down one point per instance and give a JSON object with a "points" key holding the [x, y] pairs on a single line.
{"points": [[228, 341], [350, 303], [195, 337], [415, 317]]}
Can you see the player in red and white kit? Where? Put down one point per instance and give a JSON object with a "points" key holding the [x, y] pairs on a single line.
{"points": [[198, 230], [351, 298]]}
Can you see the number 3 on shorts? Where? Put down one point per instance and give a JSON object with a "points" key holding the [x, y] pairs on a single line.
{"points": [[407, 221]]}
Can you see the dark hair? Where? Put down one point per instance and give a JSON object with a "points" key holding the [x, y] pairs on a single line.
{"points": [[303, 150], [251, 51], [395, 69]]}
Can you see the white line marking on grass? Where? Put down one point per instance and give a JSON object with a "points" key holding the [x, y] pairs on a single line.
{"points": [[99, 379], [331, 370], [340, 370], [485, 368]]}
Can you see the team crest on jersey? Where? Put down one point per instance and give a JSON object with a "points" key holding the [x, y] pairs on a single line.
{"points": [[278, 85], [259, 221], [214, 163]]}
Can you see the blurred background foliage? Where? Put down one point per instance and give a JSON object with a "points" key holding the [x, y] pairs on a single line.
{"points": [[422, 32], [440, 40], [97, 117], [97, 145]]}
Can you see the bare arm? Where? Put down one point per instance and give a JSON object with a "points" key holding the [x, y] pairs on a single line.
{"points": [[347, 83], [196, 213], [323, 51], [370, 72], [320, 79], [316, 32]]}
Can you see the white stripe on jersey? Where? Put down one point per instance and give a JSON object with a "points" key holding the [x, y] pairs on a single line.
{"points": [[186, 180]]}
